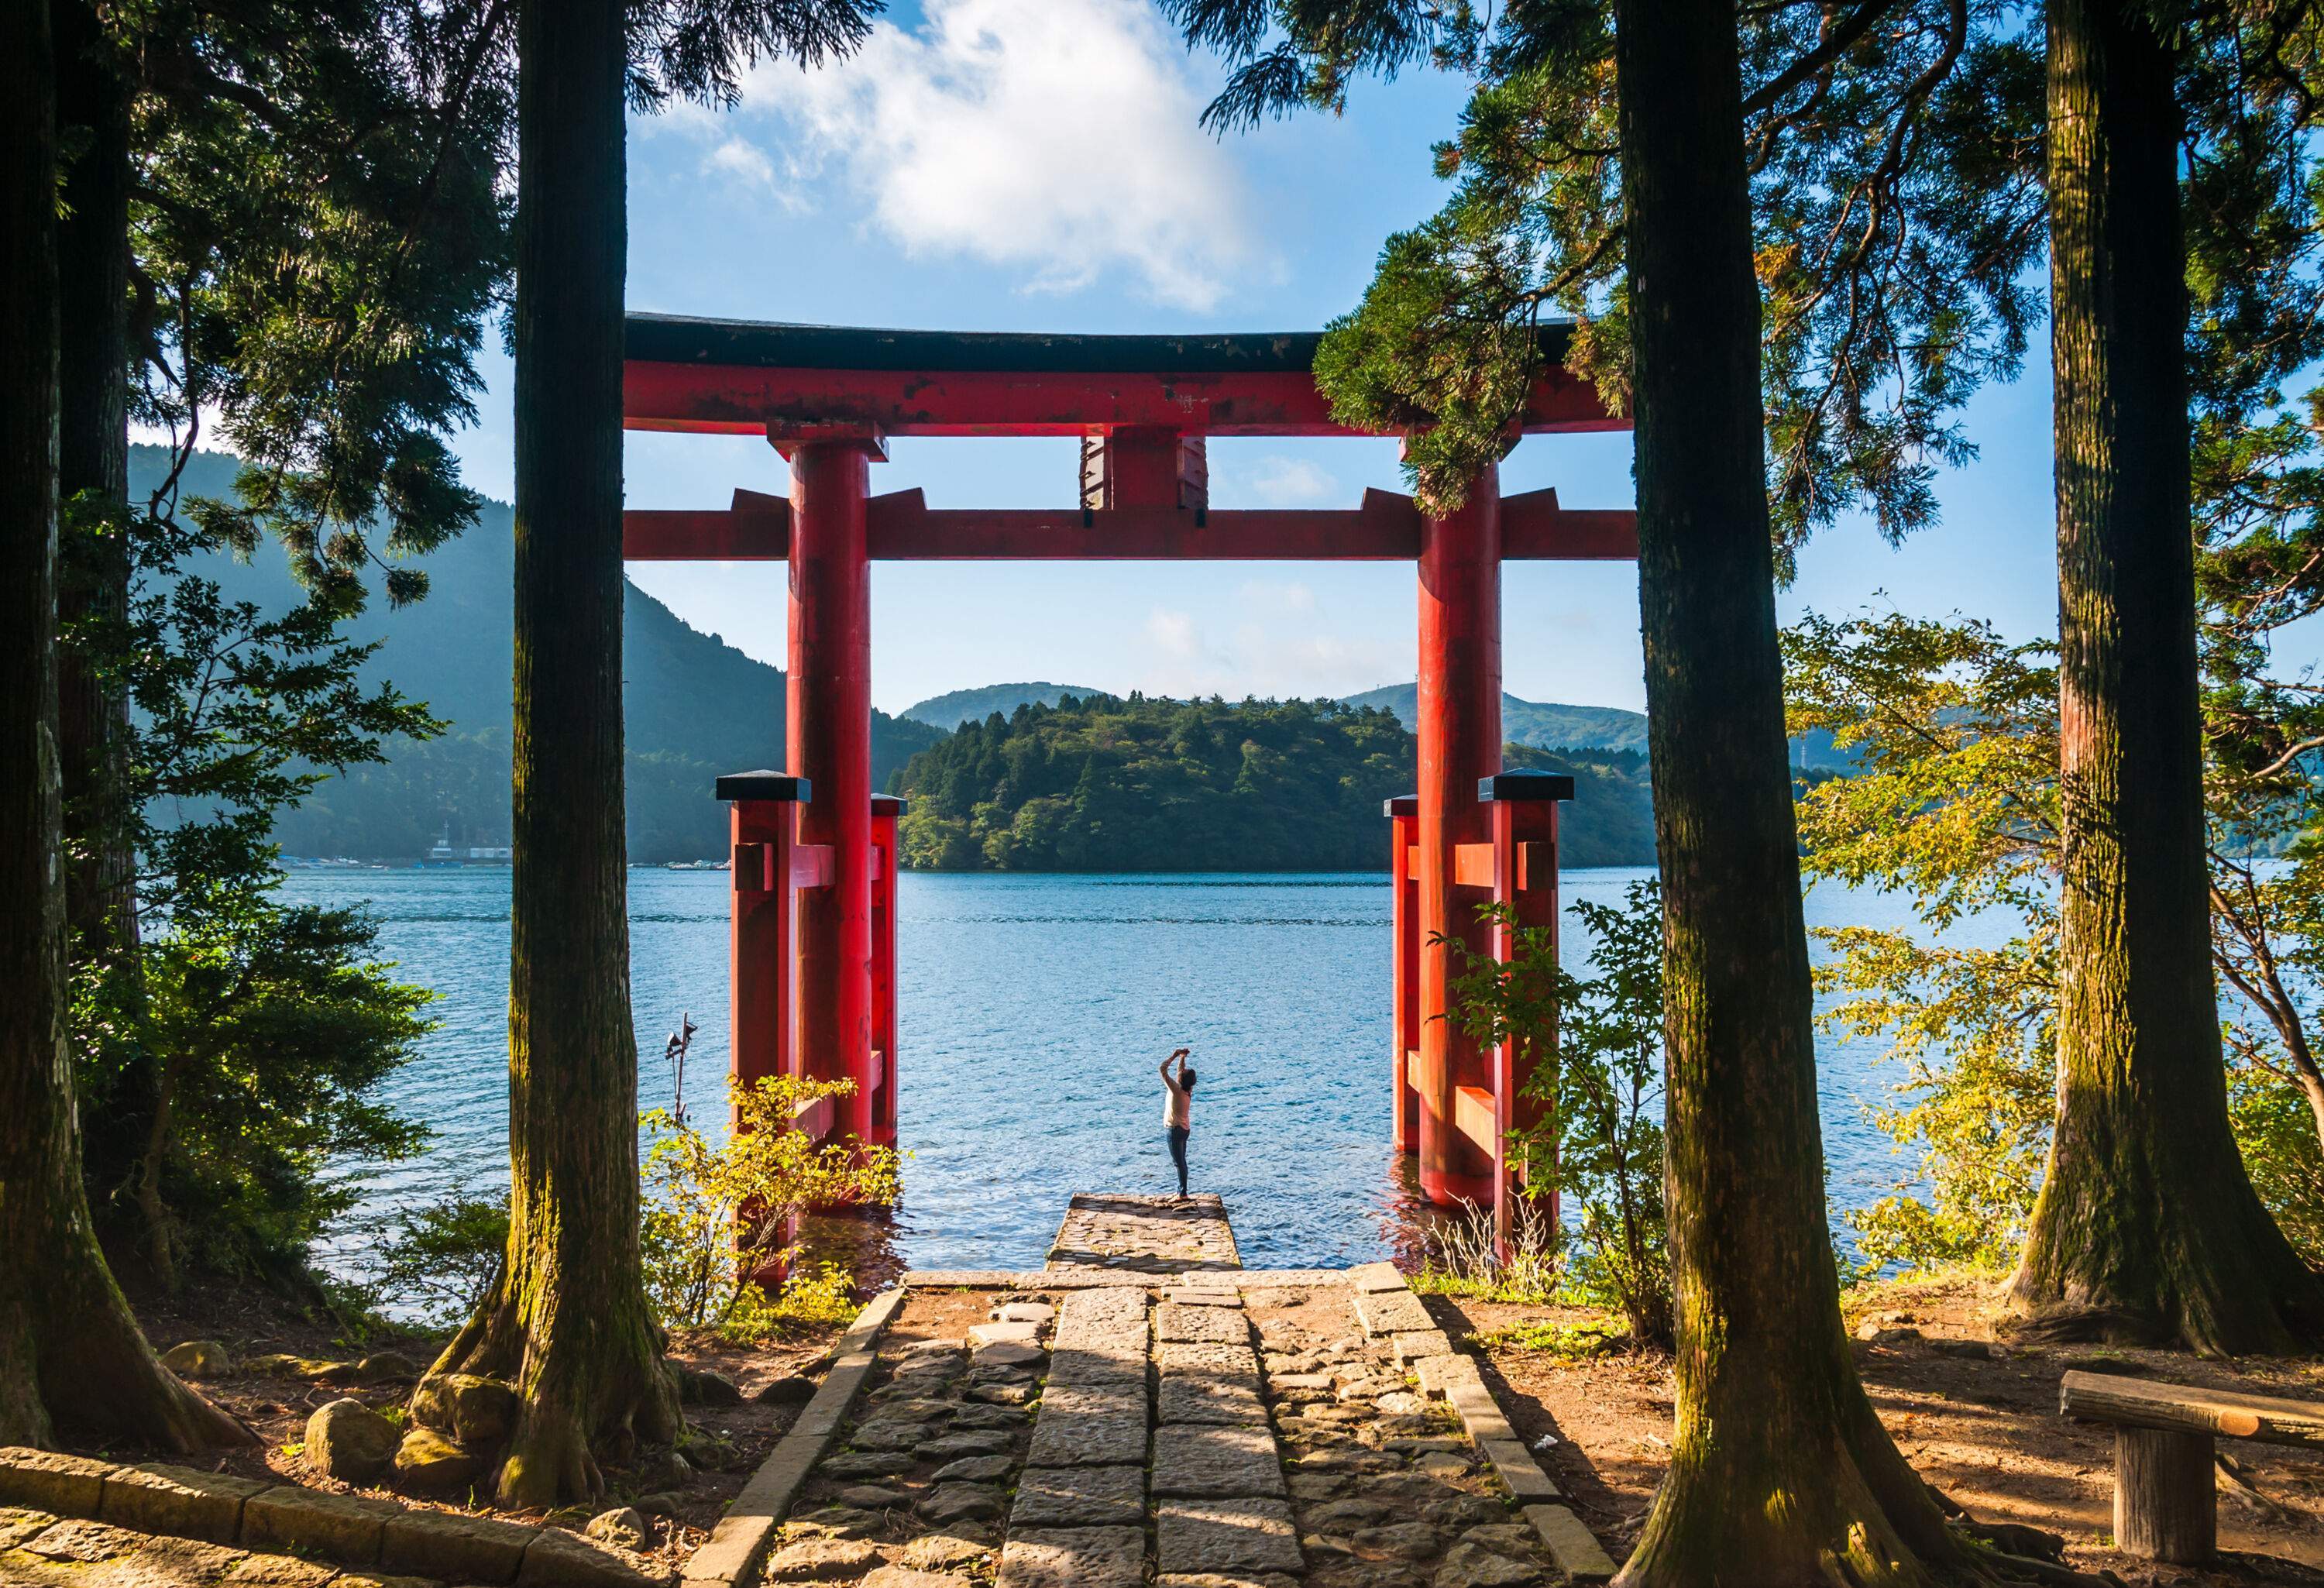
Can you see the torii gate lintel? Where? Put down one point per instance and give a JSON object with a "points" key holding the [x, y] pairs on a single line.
{"points": [[815, 850]]}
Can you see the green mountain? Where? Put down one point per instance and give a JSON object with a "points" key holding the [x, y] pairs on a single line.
{"points": [[948, 711], [1530, 722], [694, 705], [1110, 785]]}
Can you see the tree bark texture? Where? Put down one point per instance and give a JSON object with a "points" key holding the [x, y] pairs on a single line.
{"points": [[2166, 1502], [93, 466], [71, 1356], [568, 1321], [1780, 1474], [93, 463], [2147, 1227]]}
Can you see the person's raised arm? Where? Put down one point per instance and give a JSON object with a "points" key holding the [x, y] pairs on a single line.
{"points": [[1178, 1058]]}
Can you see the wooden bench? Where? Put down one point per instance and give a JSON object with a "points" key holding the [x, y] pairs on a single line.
{"points": [[2165, 1499]]}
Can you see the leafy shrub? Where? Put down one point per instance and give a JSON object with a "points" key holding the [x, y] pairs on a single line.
{"points": [[1592, 1048], [441, 1260], [715, 1216]]}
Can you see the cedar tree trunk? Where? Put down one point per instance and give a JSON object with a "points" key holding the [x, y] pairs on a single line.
{"points": [[71, 1356], [2147, 1227], [93, 582], [569, 1320], [1781, 1473]]}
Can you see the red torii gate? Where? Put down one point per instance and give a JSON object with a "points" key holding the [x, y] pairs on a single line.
{"points": [[815, 850]]}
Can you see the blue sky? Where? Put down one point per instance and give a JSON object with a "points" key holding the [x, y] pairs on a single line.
{"points": [[1035, 164]]}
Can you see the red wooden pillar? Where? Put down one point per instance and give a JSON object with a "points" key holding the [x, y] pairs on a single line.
{"points": [[1460, 734], [1522, 807], [1404, 1024], [885, 809], [830, 742], [759, 990]]}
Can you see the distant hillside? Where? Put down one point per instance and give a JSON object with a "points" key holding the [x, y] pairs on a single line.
{"points": [[948, 711], [694, 705], [1112, 785], [1529, 722]]}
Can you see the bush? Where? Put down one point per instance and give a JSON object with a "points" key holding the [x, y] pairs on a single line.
{"points": [[714, 1217], [1594, 1050], [439, 1262]]}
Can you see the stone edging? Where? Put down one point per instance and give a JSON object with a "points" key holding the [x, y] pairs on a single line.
{"points": [[1386, 1306], [348, 1529], [736, 1545]]}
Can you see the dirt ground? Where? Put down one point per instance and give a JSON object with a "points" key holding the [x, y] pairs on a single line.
{"points": [[251, 1323], [1984, 1428]]}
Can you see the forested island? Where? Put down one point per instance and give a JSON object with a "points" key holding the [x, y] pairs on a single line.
{"points": [[1102, 783]]}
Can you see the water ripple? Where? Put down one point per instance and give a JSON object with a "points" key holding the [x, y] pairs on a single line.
{"points": [[1033, 1011]]}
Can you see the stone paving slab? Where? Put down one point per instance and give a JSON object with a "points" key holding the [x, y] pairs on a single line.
{"points": [[1226, 1536], [1080, 1497], [1100, 1334], [1097, 1367], [1202, 1356], [1204, 1295], [1188, 1399], [1371, 1276], [1073, 1557], [1197, 1461], [1415, 1343], [1176, 1323], [1089, 1439], [1392, 1312], [1115, 1304], [1514, 1465], [1149, 1235], [1577, 1552]]}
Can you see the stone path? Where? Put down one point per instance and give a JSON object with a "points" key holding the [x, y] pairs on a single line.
{"points": [[1146, 1234], [1192, 1426], [1152, 1414]]}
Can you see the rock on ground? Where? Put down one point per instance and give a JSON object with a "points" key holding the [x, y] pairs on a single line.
{"points": [[622, 1526], [198, 1359], [347, 1440]]}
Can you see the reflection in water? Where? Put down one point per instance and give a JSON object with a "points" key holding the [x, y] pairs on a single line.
{"points": [[1033, 1012]]}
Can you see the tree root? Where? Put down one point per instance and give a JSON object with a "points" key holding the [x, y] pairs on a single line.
{"points": [[585, 1385], [2061, 1325]]}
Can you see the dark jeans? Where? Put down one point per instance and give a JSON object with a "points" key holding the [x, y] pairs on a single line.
{"points": [[1178, 1154]]}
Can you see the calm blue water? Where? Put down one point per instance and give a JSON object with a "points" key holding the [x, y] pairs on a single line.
{"points": [[1034, 1011]]}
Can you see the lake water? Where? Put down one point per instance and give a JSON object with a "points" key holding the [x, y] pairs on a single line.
{"points": [[1033, 1012]]}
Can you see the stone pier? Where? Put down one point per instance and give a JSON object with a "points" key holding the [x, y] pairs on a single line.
{"points": [[1145, 1234]]}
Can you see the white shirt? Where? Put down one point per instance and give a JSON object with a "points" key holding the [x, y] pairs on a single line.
{"points": [[1178, 1105]]}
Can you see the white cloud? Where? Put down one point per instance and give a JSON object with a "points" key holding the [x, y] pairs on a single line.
{"points": [[737, 157], [1056, 136], [1294, 596], [1291, 482], [1172, 632], [1287, 646]]}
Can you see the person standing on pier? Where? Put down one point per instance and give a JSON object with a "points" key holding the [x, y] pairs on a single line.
{"points": [[1177, 1111]]}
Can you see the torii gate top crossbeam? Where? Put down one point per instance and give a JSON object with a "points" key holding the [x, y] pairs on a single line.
{"points": [[738, 377]]}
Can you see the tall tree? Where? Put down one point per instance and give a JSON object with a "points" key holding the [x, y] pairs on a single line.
{"points": [[569, 1320], [1780, 1469], [280, 219], [93, 100], [2147, 1226], [71, 1356], [1781, 1472]]}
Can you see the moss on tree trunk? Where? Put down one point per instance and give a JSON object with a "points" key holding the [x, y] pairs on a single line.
{"points": [[71, 1356], [1780, 1471], [2146, 1227], [568, 1321]]}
